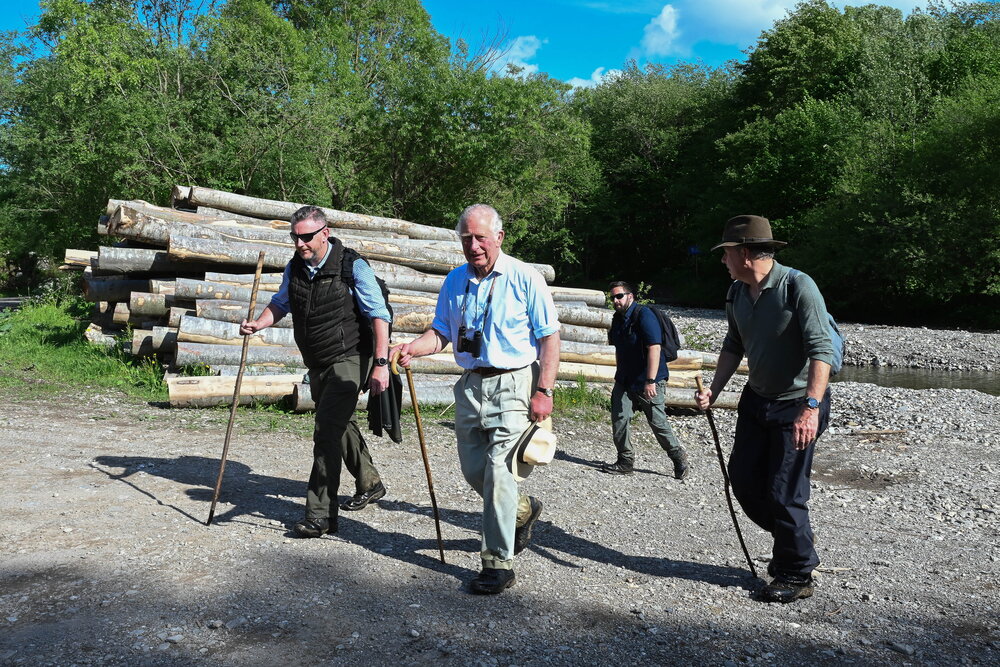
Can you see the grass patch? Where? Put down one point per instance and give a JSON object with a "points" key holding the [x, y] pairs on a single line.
{"points": [[582, 401], [42, 347]]}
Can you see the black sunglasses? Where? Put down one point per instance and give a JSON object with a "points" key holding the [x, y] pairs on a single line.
{"points": [[305, 237], [620, 295]]}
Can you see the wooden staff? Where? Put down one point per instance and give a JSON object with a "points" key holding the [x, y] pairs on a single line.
{"points": [[725, 478], [423, 450], [236, 391]]}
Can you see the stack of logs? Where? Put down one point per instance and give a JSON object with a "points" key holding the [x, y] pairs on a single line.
{"points": [[181, 278]]}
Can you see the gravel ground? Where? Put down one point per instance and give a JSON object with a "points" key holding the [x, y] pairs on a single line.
{"points": [[106, 559]]}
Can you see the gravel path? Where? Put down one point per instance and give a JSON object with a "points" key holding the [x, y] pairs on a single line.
{"points": [[106, 559]]}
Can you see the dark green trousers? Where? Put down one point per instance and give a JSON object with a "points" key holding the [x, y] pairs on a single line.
{"points": [[336, 437]]}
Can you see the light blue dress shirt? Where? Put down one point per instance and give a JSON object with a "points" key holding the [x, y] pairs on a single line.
{"points": [[367, 293], [520, 313]]}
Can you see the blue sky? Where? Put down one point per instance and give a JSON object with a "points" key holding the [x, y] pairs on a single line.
{"points": [[580, 41]]}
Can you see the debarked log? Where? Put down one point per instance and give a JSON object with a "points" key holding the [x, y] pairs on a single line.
{"points": [[214, 332], [429, 392], [234, 311], [194, 196], [194, 354], [157, 305], [186, 288], [175, 315], [189, 249], [209, 391]]}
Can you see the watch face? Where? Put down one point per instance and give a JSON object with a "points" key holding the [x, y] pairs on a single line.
{"points": [[812, 402]]}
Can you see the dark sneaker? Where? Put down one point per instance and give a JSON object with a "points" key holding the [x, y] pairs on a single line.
{"points": [[522, 534], [617, 468], [681, 466], [784, 590], [492, 581], [315, 527], [360, 500]]}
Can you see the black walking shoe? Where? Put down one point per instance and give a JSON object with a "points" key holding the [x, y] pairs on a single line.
{"points": [[617, 468], [522, 534], [361, 500], [315, 527], [783, 590], [492, 581], [681, 466]]}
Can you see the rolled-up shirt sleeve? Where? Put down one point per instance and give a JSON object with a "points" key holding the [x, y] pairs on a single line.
{"points": [[542, 311], [813, 319], [279, 302], [368, 294]]}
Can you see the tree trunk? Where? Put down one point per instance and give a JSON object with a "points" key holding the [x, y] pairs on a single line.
{"points": [[194, 196], [112, 289], [234, 311], [175, 315], [136, 261], [193, 354], [186, 288], [200, 392], [200, 330], [428, 393], [78, 259], [157, 305]]}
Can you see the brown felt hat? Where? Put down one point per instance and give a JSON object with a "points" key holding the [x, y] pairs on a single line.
{"points": [[748, 230]]}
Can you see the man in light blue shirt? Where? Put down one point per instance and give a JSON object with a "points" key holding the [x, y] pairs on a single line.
{"points": [[499, 315], [341, 321]]}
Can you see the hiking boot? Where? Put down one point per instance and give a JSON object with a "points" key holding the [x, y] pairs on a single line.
{"points": [[617, 468], [360, 500], [522, 534], [786, 590], [492, 581], [681, 465]]}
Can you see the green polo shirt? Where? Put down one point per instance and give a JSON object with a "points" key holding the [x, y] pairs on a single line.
{"points": [[779, 333]]}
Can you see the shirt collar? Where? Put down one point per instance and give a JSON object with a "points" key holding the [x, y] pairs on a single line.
{"points": [[773, 276]]}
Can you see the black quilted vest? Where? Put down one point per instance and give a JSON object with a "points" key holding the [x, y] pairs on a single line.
{"points": [[324, 313]]}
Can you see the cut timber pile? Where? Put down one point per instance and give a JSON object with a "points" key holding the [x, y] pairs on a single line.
{"points": [[181, 279]]}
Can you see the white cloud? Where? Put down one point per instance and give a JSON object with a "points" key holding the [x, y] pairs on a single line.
{"points": [[598, 77], [518, 53], [660, 35]]}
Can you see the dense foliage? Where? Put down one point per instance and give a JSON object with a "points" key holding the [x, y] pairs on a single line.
{"points": [[871, 139]]}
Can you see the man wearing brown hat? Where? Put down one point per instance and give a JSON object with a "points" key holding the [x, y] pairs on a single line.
{"points": [[777, 318]]}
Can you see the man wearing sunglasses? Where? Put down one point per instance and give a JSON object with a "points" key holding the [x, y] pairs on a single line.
{"points": [[640, 381], [330, 331]]}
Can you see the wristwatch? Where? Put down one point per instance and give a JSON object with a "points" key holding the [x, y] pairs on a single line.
{"points": [[650, 380], [381, 361], [812, 403], [546, 391]]}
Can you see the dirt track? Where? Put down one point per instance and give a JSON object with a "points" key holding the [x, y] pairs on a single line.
{"points": [[106, 559]]}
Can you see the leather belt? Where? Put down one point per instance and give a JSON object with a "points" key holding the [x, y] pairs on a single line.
{"points": [[489, 371]]}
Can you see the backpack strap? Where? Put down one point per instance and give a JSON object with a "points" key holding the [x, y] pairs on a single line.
{"points": [[350, 255]]}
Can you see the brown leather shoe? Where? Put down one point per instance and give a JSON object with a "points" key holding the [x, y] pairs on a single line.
{"points": [[315, 527], [492, 581]]}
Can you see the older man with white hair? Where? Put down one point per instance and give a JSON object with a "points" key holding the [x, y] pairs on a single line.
{"points": [[499, 315]]}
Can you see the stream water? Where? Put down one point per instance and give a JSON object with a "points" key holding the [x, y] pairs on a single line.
{"points": [[921, 378]]}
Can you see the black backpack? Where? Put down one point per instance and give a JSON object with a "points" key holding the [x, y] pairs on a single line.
{"points": [[347, 275], [671, 340]]}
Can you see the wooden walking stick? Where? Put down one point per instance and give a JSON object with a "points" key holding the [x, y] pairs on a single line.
{"points": [[236, 391], [725, 477], [423, 451]]}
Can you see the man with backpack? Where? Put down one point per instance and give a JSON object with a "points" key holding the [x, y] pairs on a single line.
{"points": [[778, 319], [341, 320], [645, 340]]}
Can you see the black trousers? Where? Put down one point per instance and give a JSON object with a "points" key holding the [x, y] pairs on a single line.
{"points": [[770, 478]]}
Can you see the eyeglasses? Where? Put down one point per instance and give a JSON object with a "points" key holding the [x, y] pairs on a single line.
{"points": [[620, 295], [305, 237]]}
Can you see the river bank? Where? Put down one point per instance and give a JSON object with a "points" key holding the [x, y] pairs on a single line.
{"points": [[873, 344]]}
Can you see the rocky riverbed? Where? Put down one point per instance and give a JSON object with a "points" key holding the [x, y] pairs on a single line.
{"points": [[871, 344], [105, 558]]}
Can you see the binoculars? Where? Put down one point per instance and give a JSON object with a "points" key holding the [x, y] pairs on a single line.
{"points": [[474, 345]]}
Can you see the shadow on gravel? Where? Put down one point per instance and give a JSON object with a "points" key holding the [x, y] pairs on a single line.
{"points": [[597, 465]]}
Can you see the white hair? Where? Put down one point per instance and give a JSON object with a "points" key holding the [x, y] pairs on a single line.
{"points": [[496, 224]]}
